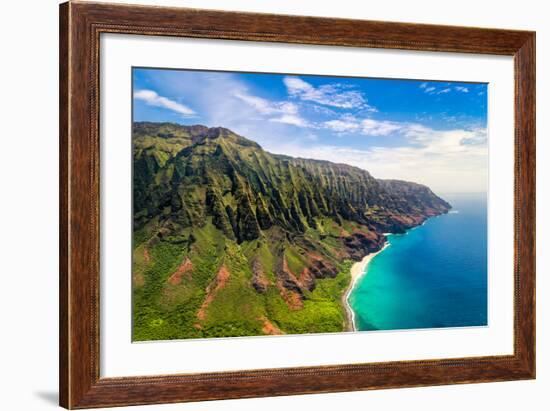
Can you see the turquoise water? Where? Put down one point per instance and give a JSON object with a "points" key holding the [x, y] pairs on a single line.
{"points": [[433, 276]]}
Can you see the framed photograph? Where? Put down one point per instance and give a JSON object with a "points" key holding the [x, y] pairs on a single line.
{"points": [[260, 205]]}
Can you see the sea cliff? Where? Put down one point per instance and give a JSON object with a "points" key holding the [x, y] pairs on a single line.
{"points": [[231, 240]]}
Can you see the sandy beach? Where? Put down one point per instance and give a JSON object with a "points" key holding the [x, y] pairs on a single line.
{"points": [[357, 271]]}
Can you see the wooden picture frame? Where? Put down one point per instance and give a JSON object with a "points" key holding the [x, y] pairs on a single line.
{"points": [[80, 27]]}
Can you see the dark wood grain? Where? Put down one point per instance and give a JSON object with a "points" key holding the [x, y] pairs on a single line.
{"points": [[63, 205], [80, 27], [525, 199]]}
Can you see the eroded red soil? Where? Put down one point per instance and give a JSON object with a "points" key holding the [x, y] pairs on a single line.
{"points": [[213, 288], [184, 270]]}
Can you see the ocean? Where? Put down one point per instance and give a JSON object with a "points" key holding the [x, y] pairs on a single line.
{"points": [[433, 276]]}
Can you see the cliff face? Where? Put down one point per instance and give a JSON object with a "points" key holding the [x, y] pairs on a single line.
{"points": [[279, 228]]}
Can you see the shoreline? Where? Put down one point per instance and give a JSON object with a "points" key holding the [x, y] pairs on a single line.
{"points": [[357, 271]]}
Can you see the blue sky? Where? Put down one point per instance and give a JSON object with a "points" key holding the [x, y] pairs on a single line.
{"points": [[431, 132]]}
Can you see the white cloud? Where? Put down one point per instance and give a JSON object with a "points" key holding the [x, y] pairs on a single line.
{"points": [[435, 90], [291, 119], [332, 95], [341, 126], [368, 127], [323, 110], [264, 106], [345, 124], [372, 127], [286, 112], [153, 99]]}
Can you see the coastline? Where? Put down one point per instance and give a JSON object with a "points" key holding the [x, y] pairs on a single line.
{"points": [[357, 271]]}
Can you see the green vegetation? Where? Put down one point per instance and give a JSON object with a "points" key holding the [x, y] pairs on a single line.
{"points": [[230, 240]]}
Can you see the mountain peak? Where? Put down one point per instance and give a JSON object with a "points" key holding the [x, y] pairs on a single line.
{"points": [[215, 133], [198, 133]]}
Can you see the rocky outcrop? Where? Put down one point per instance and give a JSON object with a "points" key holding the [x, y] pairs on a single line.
{"points": [[259, 280]]}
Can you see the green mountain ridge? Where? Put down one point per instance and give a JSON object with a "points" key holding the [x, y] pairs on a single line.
{"points": [[232, 240]]}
